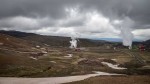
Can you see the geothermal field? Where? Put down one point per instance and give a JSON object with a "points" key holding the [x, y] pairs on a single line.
{"points": [[38, 63], [74, 41]]}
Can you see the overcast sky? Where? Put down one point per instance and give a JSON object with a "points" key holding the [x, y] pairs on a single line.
{"points": [[85, 18]]}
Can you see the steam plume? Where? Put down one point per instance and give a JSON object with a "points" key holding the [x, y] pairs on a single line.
{"points": [[126, 33], [127, 37], [73, 42]]}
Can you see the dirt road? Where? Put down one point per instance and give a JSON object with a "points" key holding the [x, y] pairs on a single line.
{"points": [[50, 80]]}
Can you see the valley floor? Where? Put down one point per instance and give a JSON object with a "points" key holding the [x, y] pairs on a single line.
{"points": [[57, 63]]}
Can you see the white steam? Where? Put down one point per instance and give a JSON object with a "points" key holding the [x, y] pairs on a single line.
{"points": [[73, 42], [127, 36], [126, 33]]}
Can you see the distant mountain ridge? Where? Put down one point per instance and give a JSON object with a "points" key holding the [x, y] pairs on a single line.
{"points": [[51, 40], [63, 41], [16, 33]]}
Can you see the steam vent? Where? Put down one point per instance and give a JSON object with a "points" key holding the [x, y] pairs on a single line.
{"points": [[74, 42]]}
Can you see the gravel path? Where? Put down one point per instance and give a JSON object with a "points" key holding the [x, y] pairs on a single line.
{"points": [[50, 80]]}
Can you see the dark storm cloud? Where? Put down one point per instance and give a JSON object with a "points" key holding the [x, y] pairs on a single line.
{"points": [[47, 15], [31, 8], [137, 10]]}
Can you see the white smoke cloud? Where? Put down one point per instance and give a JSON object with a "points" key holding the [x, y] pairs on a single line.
{"points": [[125, 26], [127, 36], [73, 42], [126, 33]]}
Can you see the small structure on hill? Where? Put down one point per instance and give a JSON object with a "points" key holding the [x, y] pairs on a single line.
{"points": [[141, 47]]}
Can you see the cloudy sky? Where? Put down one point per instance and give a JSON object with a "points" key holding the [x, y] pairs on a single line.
{"points": [[85, 18]]}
